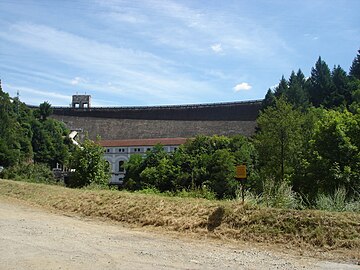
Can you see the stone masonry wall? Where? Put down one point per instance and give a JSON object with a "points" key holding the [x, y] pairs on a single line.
{"points": [[117, 129]]}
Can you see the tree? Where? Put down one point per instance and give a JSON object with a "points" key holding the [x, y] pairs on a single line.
{"points": [[335, 152], [45, 110], [160, 176], [296, 94], [355, 67], [279, 140], [355, 105], [300, 78], [221, 167], [269, 100], [49, 142], [133, 167], [320, 84], [159, 171], [341, 94], [15, 131], [90, 165], [282, 87]]}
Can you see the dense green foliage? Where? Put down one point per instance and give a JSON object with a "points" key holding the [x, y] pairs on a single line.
{"points": [[204, 162], [89, 165], [28, 135], [306, 148], [329, 89], [37, 173], [310, 139]]}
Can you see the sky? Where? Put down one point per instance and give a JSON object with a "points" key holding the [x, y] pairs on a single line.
{"points": [[164, 52]]}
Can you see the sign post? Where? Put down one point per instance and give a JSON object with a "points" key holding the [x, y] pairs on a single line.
{"points": [[241, 176]]}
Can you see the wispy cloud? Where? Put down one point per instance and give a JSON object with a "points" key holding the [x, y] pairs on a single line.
{"points": [[77, 80], [132, 72], [183, 27], [244, 86], [37, 96], [217, 48]]}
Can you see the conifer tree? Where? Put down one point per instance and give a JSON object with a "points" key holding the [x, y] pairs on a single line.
{"points": [[269, 100], [341, 94], [282, 88], [320, 84], [355, 67], [296, 94]]}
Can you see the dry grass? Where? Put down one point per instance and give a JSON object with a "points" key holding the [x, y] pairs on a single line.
{"points": [[314, 230]]}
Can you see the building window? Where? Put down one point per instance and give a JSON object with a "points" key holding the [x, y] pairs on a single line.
{"points": [[108, 150], [121, 166]]}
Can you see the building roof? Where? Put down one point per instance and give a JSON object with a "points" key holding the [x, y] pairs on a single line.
{"points": [[143, 142]]}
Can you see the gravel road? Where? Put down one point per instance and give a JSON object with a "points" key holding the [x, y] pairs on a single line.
{"points": [[33, 238]]}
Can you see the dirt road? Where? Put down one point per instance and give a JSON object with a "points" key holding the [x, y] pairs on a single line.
{"points": [[32, 238]]}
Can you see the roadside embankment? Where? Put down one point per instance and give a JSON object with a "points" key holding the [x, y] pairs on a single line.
{"points": [[303, 229]]}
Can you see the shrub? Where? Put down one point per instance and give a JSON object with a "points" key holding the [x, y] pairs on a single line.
{"points": [[36, 172], [90, 165]]}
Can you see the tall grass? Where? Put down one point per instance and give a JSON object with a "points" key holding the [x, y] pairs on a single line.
{"points": [[203, 193], [338, 201], [277, 195]]}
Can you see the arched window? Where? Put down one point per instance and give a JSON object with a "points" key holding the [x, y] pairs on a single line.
{"points": [[121, 166]]}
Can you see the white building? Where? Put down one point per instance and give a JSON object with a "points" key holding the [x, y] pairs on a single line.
{"points": [[117, 152]]}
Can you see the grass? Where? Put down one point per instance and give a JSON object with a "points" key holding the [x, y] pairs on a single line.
{"points": [[338, 202], [304, 229]]}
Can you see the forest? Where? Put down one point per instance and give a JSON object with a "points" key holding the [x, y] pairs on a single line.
{"points": [[304, 154]]}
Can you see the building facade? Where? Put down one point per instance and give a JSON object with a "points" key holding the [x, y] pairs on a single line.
{"points": [[117, 152]]}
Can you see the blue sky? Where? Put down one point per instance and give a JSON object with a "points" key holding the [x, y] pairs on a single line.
{"points": [[152, 52]]}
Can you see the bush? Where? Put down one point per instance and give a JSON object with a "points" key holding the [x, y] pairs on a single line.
{"points": [[90, 166], [36, 173]]}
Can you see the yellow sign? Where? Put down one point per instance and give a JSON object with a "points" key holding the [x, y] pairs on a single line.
{"points": [[241, 171]]}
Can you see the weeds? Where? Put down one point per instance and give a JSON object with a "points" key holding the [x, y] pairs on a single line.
{"points": [[338, 202], [277, 195], [203, 193]]}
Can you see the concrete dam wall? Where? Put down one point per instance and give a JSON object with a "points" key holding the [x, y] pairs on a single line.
{"points": [[162, 121]]}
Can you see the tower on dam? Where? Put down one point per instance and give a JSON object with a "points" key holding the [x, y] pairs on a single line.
{"points": [[81, 101]]}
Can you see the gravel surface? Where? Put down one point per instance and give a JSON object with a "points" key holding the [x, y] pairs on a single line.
{"points": [[33, 238]]}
